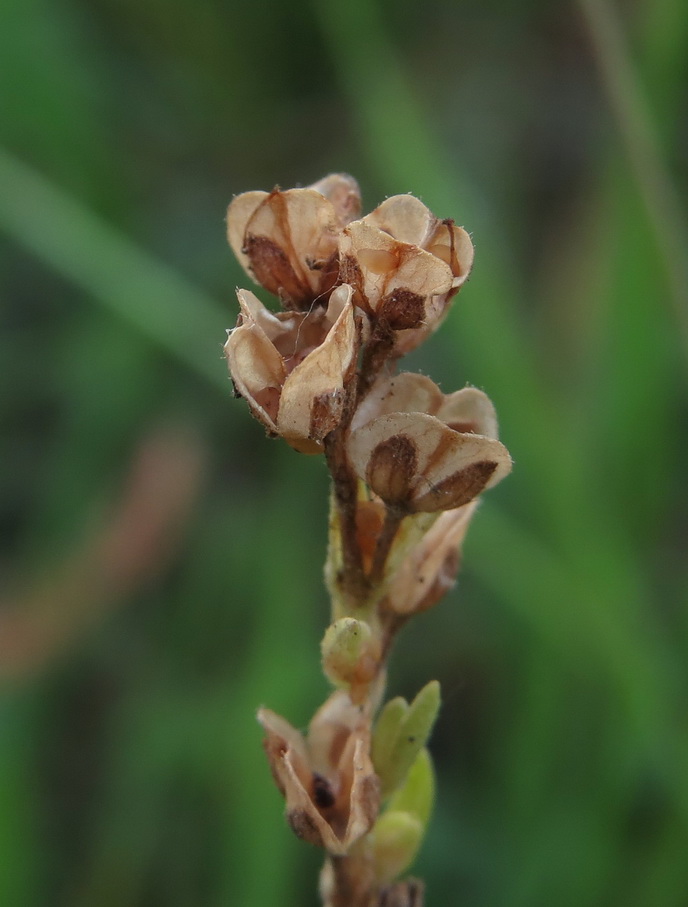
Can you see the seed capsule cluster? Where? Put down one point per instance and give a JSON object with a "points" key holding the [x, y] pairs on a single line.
{"points": [[407, 463]]}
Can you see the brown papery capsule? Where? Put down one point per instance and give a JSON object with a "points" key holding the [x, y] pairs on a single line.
{"points": [[293, 368], [440, 469], [288, 241], [332, 793], [405, 265]]}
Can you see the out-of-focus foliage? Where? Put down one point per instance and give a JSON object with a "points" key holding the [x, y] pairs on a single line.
{"points": [[161, 560]]}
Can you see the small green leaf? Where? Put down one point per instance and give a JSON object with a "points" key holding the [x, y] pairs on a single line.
{"points": [[417, 794], [412, 736], [386, 732]]}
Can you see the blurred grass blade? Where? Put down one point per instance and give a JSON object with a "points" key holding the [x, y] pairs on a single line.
{"points": [[584, 625], [640, 136], [112, 270], [20, 842]]}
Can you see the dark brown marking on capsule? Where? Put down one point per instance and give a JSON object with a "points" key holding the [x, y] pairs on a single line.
{"points": [[392, 468], [323, 795], [454, 262], [459, 488], [401, 309], [326, 413], [273, 270]]}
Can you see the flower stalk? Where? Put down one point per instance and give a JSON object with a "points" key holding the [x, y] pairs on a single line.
{"points": [[407, 465]]}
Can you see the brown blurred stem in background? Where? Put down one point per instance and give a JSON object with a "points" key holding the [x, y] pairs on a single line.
{"points": [[126, 549]]}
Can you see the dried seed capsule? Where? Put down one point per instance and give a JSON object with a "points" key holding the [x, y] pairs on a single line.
{"points": [[288, 241], [292, 368], [416, 463], [405, 266], [429, 569], [332, 793]]}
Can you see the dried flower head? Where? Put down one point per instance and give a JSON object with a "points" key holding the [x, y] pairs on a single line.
{"points": [[288, 241], [405, 265], [332, 793], [292, 367], [422, 451]]}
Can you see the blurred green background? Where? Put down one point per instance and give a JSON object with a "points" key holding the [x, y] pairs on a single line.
{"points": [[160, 569]]}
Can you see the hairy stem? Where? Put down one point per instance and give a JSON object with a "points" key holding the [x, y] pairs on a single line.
{"points": [[384, 544], [352, 882], [375, 356], [352, 579]]}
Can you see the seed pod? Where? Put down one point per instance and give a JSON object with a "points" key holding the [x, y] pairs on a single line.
{"points": [[288, 241], [292, 368], [429, 569], [327, 779], [416, 463], [466, 410], [405, 265]]}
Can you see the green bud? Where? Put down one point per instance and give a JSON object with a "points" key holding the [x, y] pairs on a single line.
{"points": [[396, 837], [347, 644], [401, 733], [417, 794]]}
